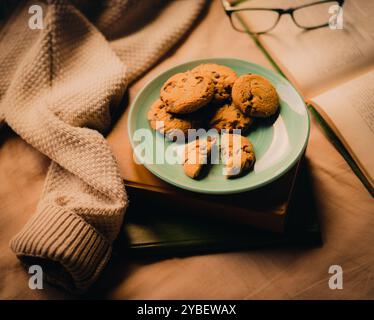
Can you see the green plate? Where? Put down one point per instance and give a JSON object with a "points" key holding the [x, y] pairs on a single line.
{"points": [[277, 146]]}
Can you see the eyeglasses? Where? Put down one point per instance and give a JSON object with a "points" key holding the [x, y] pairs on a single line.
{"points": [[261, 20]]}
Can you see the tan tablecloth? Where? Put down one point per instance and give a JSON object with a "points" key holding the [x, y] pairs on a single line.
{"points": [[345, 208]]}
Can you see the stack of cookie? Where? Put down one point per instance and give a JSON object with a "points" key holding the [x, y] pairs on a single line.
{"points": [[212, 96]]}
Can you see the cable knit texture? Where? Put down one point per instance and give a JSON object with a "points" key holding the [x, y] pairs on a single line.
{"points": [[57, 86]]}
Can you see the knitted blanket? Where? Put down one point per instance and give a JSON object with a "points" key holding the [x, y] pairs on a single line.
{"points": [[57, 87]]}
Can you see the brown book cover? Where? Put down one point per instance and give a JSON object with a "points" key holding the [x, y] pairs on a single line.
{"points": [[265, 208]]}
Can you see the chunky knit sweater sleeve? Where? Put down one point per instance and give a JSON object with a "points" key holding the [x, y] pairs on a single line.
{"points": [[57, 86]]}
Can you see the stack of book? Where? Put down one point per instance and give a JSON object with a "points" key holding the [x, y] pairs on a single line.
{"points": [[165, 219], [178, 223]]}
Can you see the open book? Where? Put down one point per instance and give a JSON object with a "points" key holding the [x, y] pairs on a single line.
{"points": [[334, 71]]}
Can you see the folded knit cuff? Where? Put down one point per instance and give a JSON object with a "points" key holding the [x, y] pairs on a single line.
{"points": [[70, 251]]}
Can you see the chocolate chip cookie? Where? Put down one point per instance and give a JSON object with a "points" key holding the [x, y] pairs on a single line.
{"points": [[237, 155], [167, 123], [187, 92], [255, 96], [223, 79], [228, 117], [196, 155]]}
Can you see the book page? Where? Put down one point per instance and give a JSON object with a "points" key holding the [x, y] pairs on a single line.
{"points": [[320, 59], [349, 109]]}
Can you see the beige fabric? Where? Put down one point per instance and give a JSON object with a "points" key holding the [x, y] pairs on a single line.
{"points": [[344, 206], [56, 89]]}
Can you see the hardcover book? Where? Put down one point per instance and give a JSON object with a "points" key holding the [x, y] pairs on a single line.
{"points": [[331, 67]]}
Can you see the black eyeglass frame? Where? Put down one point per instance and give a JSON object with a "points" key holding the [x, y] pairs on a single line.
{"points": [[230, 10]]}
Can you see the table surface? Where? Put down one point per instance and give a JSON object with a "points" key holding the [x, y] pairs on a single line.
{"points": [[345, 209]]}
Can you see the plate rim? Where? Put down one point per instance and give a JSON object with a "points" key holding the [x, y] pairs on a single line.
{"points": [[276, 176]]}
